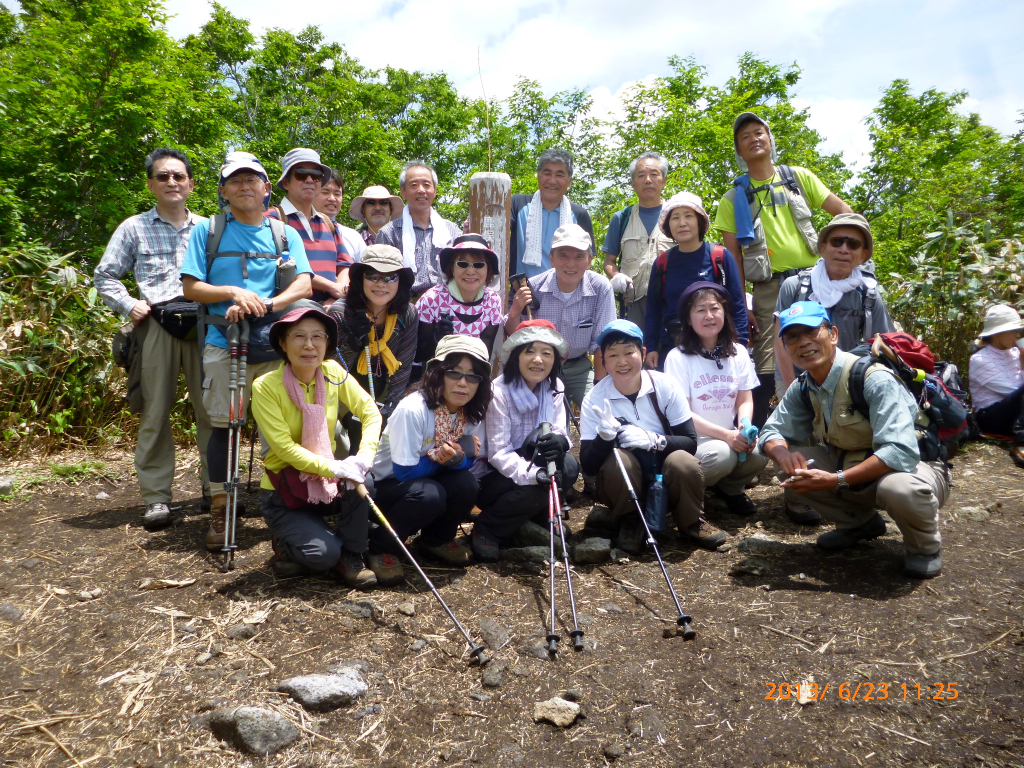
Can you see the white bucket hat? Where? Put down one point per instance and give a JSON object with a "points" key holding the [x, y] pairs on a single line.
{"points": [[1001, 318], [530, 331], [377, 192], [684, 200]]}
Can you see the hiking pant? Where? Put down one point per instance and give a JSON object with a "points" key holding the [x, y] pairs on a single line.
{"points": [[163, 357], [723, 469], [1005, 417], [681, 474], [912, 500], [578, 376], [506, 505], [766, 296], [305, 536], [433, 505], [637, 312]]}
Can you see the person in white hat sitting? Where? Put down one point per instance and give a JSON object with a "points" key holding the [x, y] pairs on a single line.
{"points": [[374, 208], [996, 379]]}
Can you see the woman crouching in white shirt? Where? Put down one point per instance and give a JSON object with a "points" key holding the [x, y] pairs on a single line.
{"points": [[527, 394], [717, 375]]}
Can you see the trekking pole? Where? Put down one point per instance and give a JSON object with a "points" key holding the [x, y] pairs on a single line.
{"points": [[684, 619], [231, 333], [553, 636], [252, 451], [556, 504], [475, 651]]}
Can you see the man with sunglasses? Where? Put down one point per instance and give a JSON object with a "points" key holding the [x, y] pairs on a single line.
{"points": [[302, 176], [374, 208], [152, 246]]}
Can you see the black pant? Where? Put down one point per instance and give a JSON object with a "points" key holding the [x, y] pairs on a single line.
{"points": [[433, 505], [763, 394], [305, 536], [1005, 417], [506, 506]]}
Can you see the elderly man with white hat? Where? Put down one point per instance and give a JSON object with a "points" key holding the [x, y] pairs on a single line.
{"points": [[577, 300], [997, 381], [374, 208]]}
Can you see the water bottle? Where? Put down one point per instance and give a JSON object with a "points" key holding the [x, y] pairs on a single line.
{"points": [[657, 506], [749, 431]]}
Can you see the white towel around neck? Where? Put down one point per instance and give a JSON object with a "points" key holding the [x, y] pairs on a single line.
{"points": [[535, 227], [828, 292], [442, 237]]}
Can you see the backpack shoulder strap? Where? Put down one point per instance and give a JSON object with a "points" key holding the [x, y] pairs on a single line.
{"points": [[804, 394], [213, 237], [661, 264], [859, 371], [790, 180], [280, 235], [805, 285], [718, 263], [657, 407], [868, 298]]}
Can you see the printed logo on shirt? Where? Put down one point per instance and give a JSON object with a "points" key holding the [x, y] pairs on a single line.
{"points": [[706, 380]]}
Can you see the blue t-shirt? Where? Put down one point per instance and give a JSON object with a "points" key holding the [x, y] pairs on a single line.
{"points": [[550, 220], [228, 271], [613, 240]]}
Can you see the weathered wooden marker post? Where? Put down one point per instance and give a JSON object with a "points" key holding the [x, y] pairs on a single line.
{"points": [[490, 211]]}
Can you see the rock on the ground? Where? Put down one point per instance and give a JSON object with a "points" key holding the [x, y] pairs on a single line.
{"points": [[758, 542], [418, 645], [360, 609], [538, 649], [10, 612], [340, 666], [572, 695], [978, 514], [322, 693], [253, 729], [750, 566], [592, 551], [611, 608], [613, 751], [557, 711], [646, 724], [493, 674], [241, 632], [600, 517], [406, 609], [525, 554], [493, 632], [6, 485], [530, 535], [102, 496]]}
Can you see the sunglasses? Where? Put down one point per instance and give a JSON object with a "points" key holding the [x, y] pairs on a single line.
{"points": [[304, 174], [473, 264], [375, 203], [164, 176], [853, 242], [471, 378], [381, 277]]}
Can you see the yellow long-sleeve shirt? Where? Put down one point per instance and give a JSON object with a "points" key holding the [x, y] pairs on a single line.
{"points": [[281, 421]]}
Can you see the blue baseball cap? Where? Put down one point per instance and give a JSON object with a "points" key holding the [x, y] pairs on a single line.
{"points": [[809, 313], [620, 326]]}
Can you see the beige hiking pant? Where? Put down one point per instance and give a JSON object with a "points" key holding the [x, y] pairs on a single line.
{"points": [[682, 477], [766, 295], [912, 500], [163, 358], [722, 466]]}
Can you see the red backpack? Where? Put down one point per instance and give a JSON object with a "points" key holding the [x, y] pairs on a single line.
{"points": [[717, 265]]}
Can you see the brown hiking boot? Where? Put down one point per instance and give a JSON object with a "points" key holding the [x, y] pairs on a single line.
{"points": [[282, 566], [350, 569], [387, 569], [632, 535], [215, 536], [449, 552], [705, 535]]}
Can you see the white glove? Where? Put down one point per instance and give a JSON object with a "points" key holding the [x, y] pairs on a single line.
{"points": [[353, 468], [632, 436], [607, 425], [620, 282]]}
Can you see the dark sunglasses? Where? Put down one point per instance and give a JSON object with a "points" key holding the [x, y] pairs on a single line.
{"points": [[853, 242], [471, 378], [304, 174], [473, 264], [381, 277], [378, 202], [164, 176]]}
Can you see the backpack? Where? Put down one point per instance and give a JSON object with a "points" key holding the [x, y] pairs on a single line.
{"points": [[787, 178], [868, 297], [949, 375], [717, 266]]}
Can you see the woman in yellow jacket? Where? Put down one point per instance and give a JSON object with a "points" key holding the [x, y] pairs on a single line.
{"points": [[296, 407]]}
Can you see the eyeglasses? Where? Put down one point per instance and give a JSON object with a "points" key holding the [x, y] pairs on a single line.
{"points": [[381, 277], [304, 174], [473, 264], [248, 180], [375, 203], [318, 338], [853, 242], [164, 176], [471, 378]]}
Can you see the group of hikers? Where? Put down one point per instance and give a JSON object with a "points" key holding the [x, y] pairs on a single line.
{"points": [[369, 354]]}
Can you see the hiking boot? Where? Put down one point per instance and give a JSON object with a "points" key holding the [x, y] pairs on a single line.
{"points": [[205, 505], [387, 569], [705, 535], [632, 535], [590, 485], [283, 567], [449, 552], [215, 536], [842, 538], [738, 504], [157, 516], [801, 513], [919, 566], [1017, 454], [485, 548], [351, 570]]}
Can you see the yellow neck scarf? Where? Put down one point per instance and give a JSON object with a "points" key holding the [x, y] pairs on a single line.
{"points": [[380, 348]]}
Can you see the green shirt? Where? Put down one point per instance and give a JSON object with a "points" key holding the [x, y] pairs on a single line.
{"points": [[786, 248]]}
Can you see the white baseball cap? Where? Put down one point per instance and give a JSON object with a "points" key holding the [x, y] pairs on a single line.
{"points": [[572, 235]]}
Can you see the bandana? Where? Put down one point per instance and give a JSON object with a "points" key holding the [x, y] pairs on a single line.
{"points": [[535, 227], [829, 292], [319, 489]]}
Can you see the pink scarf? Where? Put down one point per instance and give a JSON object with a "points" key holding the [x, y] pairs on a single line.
{"points": [[321, 490]]}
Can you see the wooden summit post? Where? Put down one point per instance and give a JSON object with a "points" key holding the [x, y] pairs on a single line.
{"points": [[490, 212]]}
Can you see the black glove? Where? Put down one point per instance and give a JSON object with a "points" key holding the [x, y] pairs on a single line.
{"points": [[552, 447], [468, 445], [454, 461], [543, 478], [443, 327]]}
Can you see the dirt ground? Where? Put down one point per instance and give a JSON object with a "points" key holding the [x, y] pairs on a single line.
{"points": [[917, 673]]}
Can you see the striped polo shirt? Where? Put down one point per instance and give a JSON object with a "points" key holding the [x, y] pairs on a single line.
{"points": [[325, 249]]}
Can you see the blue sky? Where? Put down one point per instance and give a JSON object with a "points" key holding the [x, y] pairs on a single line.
{"points": [[849, 51]]}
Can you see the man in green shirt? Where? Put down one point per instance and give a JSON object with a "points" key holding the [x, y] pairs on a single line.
{"points": [[776, 240]]}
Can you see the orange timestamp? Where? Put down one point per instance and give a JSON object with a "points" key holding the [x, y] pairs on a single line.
{"points": [[864, 691]]}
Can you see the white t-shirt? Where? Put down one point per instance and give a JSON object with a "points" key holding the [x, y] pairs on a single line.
{"points": [[354, 242], [994, 373], [670, 399], [410, 434], [710, 391]]}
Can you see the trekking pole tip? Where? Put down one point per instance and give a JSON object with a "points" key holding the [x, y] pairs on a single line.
{"points": [[577, 639], [477, 656], [553, 645], [685, 629]]}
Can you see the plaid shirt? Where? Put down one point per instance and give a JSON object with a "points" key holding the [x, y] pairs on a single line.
{"points": [[153, 249], [508, 428], [428, 263], [581, 316]]}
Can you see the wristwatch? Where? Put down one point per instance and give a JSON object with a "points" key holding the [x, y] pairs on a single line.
{"points": [[270, 306], [843, 485]]}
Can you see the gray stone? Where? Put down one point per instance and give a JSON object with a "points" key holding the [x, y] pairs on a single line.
{"points": [[611, 608], [525, 554], [646, 724], [322, 693], [758, 542], [978, 514], [30, 563], [340, 666], [406, 609], [373, 709], [241, 632], [557, 711], [360, 609], [419, 645], [494, 674], [572, 695], [479, 697], [537, 649], [10, 613], [6, 485], [600, 517], [520, 671], [613, 751], [493, 632], [253, 729], [217, 702], [592, 551], [530, 535]]}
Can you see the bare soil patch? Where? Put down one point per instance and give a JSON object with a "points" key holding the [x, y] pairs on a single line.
{"points": [[100, 671]]}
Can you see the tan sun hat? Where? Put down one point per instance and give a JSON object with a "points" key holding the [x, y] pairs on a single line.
{"points": [[459, 344], [376, 192], [1001, 318], [847, 220]]}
